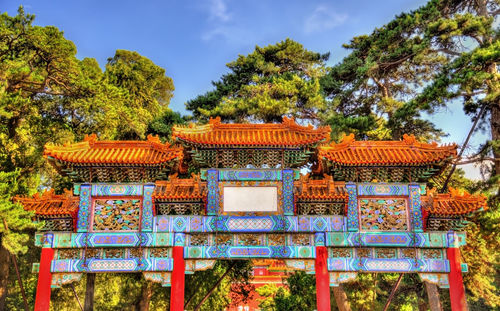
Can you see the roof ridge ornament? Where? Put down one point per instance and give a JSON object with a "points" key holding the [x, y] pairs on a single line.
{"points": [[91, 139], [155, 139], [215, 120]]}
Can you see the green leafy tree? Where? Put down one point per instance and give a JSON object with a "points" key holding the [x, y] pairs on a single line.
{"points": [[381, 73], [299, 294], [162, 126], [14, 222], [148, 91], [230, 275], [271, 82]]}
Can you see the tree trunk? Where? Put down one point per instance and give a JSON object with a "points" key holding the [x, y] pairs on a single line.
{"points": [[341, 298], [89, 293], [214, 287], [4, 272], [433, 294], [495, 134], [147, 293]]}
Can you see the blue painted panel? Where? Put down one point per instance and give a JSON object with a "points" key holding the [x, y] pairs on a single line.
{"points": [[388, 265]]}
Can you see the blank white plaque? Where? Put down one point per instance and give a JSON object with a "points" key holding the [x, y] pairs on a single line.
{"points": [[250, 199]]}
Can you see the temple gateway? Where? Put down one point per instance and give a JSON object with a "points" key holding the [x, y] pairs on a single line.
{"points": [[362, 207]]}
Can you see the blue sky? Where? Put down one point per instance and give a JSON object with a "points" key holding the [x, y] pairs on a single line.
{"points": [[193, 40]]}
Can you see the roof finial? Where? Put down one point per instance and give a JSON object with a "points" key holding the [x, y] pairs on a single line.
{"points": [[215, 120], [92, 138], [347, 139], [154, 139], [409, 139]]}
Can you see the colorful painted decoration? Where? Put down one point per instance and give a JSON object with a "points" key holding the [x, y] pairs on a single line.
{"points": [[363, 208], [116, 215], [383, 214]]}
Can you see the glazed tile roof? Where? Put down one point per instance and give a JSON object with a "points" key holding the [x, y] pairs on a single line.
{"points": [[320, 189], [288, 133], [92, 151], [408, 151], [177, 189], [51, 205], [455, 203]]}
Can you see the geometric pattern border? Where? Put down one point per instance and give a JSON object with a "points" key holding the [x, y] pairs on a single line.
{"points": [[111, 239], [383, 189], [213, 192], [292, 224], [249, 174], [213, 176], [84, 209], [288, 198], [388, 265], [352, 208], [273, 223], [147, 208], [223, 251], [390, 239], [415, 208], [116, 189], [111, 265]]}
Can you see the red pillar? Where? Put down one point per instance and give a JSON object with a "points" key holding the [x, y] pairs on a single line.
{"points": [[322, 279], [177, 286], [42, 300], [457, 291]]}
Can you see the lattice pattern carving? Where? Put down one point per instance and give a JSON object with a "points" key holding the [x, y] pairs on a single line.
{"points": [[242, 158], [320, 208], [135, 252], [160, 252], [61, 224], [181, 208], [408, 253], [113, 253], [93, 253], [383, 214], [223, 239], [432, 253], [340, 252], [199, 239], [249, 239], [276, 239], [68, 253], [446, 224], [116, 215], [386, 253], [301, 239], [364, 252]]}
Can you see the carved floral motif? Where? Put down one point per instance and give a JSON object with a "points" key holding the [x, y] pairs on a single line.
{"points": [[116, 215], [383, 214]]}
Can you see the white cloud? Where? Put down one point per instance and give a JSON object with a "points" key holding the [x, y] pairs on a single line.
{"points": [[232, 34], [323, 18], [218, 11]]}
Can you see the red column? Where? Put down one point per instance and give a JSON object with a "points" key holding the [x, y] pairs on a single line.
{"points": [[42, 300], [322, 279], [177, 286], [457, 291]]}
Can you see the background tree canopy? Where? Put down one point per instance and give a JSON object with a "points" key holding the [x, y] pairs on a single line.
{"points": [[441, 54]]}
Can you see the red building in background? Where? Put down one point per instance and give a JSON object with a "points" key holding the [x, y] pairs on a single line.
{"points": [[265, 272]]}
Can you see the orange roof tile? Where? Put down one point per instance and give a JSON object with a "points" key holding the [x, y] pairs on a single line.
{"points": [[50, 204], [90, 150], [180, 189], [407, 151], [320, 189], [454, 203], [287, 133]]}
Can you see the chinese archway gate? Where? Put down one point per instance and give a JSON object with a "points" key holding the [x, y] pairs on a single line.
{"points": [[362, 208]]}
